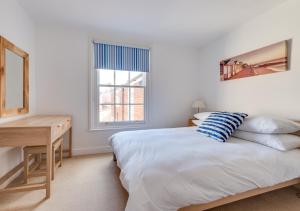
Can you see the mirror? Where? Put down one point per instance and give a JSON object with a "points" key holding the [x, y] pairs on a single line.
{"points": [[14, 79]]}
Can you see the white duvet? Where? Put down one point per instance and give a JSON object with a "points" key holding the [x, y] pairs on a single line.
{"points": [[166, 169]]}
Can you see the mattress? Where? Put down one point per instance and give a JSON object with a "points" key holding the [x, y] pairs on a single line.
{"points": [[167, 169]]}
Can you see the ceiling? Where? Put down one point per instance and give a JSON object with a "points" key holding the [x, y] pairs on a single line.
{"points": [[190, 22]]}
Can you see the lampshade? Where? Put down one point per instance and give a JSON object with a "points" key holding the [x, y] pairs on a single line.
{"points": [[199, 104]]}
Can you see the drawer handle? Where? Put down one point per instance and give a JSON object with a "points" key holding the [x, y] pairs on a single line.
{"points": [[60, 125]]}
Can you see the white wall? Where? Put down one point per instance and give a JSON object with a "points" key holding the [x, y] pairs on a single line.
{"points": [[62, 82], [273, 93], [17, 27]]}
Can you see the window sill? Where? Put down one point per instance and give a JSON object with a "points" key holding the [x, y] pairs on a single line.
{"points": [[118, 127]]}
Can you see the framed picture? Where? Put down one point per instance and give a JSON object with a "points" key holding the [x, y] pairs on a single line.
{"points": [[270, 59]]}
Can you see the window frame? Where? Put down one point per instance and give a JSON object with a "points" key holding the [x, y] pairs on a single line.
{"points": [[94, 123]]}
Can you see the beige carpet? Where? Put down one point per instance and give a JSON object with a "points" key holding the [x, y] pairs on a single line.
{"points": [[90, 183]]}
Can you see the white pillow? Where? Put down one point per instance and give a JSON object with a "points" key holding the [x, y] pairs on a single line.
{"points": [[202, 115], [283, 142], [267, 124]]}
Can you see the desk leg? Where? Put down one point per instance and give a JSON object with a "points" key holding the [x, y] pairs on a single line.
{"points": [[70, 142], [48, 167]]}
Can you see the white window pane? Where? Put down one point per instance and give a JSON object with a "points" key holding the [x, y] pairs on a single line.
{"points": [[137, 79], [106, 113], [122, 95], [122, 77], [106, 77], [136, 112], [126, 96], [122, 113], [137, 95], [106, 95]]}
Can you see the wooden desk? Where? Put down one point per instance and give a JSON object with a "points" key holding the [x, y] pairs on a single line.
{"points": [[34, 131]]}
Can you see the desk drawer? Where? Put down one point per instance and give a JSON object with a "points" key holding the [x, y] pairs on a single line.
{"points": [[68, 124], [60, 128]]}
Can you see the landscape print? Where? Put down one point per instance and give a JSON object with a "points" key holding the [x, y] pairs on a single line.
{"points": [[270, 59]]}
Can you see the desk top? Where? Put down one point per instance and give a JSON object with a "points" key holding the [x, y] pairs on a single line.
{"points": [[36, 121], [34, 130]]}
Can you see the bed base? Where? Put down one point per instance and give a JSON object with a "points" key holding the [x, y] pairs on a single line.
{"points": [[240, 196]]}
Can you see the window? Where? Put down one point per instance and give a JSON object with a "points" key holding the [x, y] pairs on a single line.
{"points": [[119, 95]]}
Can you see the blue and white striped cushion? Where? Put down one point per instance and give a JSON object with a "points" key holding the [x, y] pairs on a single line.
{"points": [[220, 125]]}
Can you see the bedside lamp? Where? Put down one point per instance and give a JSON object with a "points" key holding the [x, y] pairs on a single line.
{"points": [[199, 104]]}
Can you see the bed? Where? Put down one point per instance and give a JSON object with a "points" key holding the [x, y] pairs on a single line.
{"points": [[179, 168]]}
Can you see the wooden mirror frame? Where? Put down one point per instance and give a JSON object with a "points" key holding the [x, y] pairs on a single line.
{"points": [[5, 44]]}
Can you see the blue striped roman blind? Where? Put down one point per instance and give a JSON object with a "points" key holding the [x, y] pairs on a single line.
{"points": [[115, 57]]}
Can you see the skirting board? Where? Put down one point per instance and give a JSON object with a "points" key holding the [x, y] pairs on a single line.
{"points": [[91, 150]]}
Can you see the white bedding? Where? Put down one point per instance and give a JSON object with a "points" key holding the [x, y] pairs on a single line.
{"points": [[166, 169]]}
